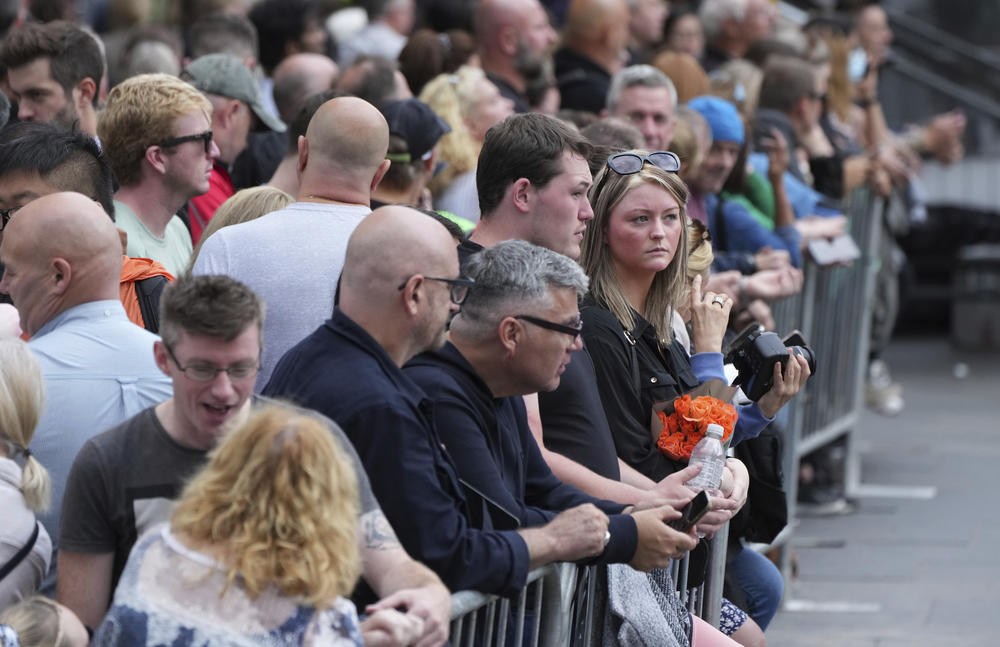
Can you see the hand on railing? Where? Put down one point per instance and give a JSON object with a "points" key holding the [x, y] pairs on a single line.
{"points": [[390, 628], [574, 534], [659, 543], [430, 604], [723, 509], [772, 285], [771, 259]]}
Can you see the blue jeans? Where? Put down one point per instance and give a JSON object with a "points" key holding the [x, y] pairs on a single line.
{"points": [[761, 582]]}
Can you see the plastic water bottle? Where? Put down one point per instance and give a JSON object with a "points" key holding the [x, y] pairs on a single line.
{"points": [[712, 457]]}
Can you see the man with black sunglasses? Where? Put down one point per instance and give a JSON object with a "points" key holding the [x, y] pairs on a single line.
{"points": [[157, 136]]}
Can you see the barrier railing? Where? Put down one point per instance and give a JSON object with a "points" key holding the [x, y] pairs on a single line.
{"points": [[834, 313], [562, 606]]}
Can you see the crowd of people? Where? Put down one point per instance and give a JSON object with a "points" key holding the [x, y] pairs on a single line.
{"points": [[311, 316]]}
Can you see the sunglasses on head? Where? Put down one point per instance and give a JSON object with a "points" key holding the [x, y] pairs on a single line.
{"points": [[205, 137], [630, 163]]}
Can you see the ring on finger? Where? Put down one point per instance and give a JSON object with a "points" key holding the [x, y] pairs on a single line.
{"points": [[719, 300]]}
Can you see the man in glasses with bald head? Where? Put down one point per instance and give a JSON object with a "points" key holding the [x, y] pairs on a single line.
{"points": [[156, 133]]}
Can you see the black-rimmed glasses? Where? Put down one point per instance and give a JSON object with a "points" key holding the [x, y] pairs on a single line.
{"points": [[572, 331], [459, 287], [5, 215], [207, 372], [205, 137]]}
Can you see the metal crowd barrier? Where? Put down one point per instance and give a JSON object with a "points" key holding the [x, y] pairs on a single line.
{"points": [[561, 605], [833, 311]]}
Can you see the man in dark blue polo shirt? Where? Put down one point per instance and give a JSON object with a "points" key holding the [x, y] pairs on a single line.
{"points": [[399, 287], [517, 337]]}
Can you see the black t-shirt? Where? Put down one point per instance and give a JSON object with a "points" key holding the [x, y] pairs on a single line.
{"points": [[573, 420]]}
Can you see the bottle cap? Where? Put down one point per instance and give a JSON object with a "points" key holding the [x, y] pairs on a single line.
{"points": [[714, 430]]}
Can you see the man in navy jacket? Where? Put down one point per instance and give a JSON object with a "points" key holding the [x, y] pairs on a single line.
{"points": [[399, 287]]}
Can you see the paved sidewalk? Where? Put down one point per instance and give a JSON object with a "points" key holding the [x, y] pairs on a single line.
{"points": [[901, 571]]}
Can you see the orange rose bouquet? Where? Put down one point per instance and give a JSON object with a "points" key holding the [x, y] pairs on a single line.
{"points": [[686, 425]]}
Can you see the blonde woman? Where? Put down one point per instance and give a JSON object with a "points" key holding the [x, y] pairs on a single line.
{"points": [[261, 549], [25, 547], [471, 104]]}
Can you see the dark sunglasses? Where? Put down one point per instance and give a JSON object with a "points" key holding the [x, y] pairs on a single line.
{"points": [[459, 287], [205, 137], [629, 163], [572, 331]]}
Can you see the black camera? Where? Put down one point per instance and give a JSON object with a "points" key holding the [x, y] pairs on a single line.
{"points": [[754, 353]]}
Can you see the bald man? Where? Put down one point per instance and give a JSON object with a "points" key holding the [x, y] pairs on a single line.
{"points": [[63, 259], [292, 258], [595, 46], [400, 285], [300, 76], [515, 45]]}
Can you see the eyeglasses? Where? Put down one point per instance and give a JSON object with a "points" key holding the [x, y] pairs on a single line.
{"points": [[207, 372], [205, 137], [459, 287], [629, 163], [572, 331], [5, 215]]}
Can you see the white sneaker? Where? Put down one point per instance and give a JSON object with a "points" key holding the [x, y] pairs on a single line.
{"points": [[882, 395]]}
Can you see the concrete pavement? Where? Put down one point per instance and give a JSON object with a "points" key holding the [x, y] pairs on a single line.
{"points": [[910, 571]]}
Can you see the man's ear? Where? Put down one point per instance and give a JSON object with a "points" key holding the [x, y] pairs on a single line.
{"points": [[160, 356], [303, 153], [510, 332], [380, 173], [508, 41], [521, 194], [85, 92], [156, 158], [62, 275], [413, 294]]}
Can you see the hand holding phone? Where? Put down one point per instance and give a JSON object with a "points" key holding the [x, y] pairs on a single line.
{"points": [[692, 513]]}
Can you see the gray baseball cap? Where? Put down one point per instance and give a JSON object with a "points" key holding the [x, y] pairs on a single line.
{"points": [[227, 76]]}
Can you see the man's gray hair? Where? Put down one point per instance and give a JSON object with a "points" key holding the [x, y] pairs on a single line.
{"points": [[645, 76], [714, 13], [513, 277]]}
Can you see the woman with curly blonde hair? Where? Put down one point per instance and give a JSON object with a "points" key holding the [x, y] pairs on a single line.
{"points": [[25, 547], [261, 548], [470, 103]]}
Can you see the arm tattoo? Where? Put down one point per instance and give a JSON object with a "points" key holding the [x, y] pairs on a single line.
{"points": [[377, 532]]}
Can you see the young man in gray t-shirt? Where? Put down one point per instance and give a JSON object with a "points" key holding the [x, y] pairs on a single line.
{"points": [[124, 480]]}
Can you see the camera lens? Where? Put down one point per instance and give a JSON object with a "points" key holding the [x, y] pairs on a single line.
{"points": [[808, 353]]}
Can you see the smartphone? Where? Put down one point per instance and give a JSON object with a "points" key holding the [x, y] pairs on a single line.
{"points": [[692, 513]]}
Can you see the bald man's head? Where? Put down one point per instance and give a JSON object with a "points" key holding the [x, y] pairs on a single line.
{"points": [[397, 246], [60, 251], [589, 21], [347, 137], [299, 76]]}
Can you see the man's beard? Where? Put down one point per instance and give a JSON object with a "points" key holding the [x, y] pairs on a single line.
{"points": [[529, 65], [67, 117]]}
